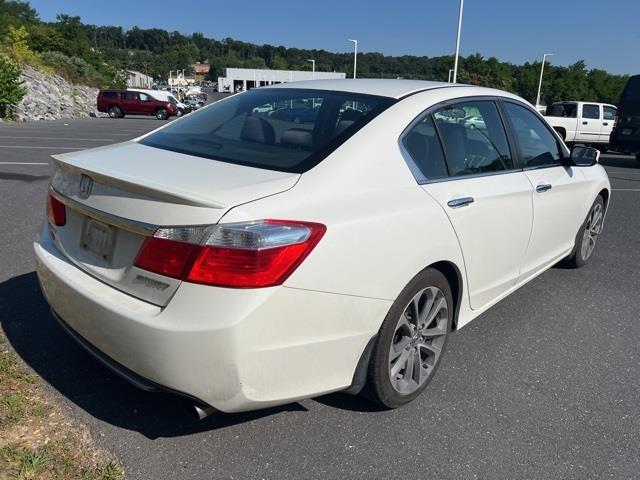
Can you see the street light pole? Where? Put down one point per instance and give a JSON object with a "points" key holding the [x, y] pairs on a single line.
{"points": [[450, 74], [355, 55], [313, 69], [544, 59], [455, 66]]}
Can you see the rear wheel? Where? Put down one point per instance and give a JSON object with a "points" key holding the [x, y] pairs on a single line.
{"points": [[587, 235], [115, 112], [162, 114], [411, 341]]}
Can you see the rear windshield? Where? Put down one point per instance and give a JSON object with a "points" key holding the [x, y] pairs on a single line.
{"points": [[569, 110], [289, 130]]}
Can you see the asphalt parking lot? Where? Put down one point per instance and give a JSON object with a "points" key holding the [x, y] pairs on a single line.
{"points": [[545, 385]]}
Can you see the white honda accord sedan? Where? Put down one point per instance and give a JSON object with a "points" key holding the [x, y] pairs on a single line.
{"points": [[245, 257]]}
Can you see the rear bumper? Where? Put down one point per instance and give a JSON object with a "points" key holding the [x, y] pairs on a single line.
{"points": [[232, 349]]}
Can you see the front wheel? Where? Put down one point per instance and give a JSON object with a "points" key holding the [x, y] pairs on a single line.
{"points": [[162, 114], [587, 235], [411, 341], [179, 113]]}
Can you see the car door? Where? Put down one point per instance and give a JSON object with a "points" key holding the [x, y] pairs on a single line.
{"points": [[145, 104], [589, 123], [468, 169], [609, 113], [130, 102], [557, 189]]}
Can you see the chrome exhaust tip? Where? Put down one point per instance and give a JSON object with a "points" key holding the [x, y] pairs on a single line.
{"points": [[198, 411]]}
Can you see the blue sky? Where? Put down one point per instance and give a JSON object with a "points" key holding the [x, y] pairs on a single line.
{"points": [[604, 33]]}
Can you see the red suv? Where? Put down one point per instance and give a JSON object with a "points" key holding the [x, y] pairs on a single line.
{"points": [[118, 103]]}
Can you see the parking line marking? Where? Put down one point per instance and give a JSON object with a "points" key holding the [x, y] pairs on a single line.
{"points": [[43, 148], [37, 137], [23, 163]]}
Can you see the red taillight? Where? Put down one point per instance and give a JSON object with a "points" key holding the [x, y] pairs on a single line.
{"points": [[166, 257], [239, 255], [56, 212]]}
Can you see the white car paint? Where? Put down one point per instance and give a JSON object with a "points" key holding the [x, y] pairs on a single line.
{"points": [[242, 349], [585, 128]]}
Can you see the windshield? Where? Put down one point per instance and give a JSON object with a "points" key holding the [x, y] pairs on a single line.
{"points": [[172, 99], [289, 130]]}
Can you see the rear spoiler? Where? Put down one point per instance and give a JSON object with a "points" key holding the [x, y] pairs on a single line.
{"points": [[137, 185]]}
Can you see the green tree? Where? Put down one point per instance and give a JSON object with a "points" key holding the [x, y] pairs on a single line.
{"points": [[11, 88]]}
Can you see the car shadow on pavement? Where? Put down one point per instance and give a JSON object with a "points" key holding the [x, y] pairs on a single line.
{"points": [[621, 162], [38, 339]]}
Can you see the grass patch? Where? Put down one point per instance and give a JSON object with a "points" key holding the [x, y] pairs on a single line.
{"points": [[36, 440]]}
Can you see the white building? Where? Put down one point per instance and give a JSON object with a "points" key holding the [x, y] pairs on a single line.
{"points": [[246, 78], [137, 79]]}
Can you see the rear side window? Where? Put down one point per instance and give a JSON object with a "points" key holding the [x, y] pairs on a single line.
{"points": [[539, 146], [563, 109], [130, 96], [632, 90], [423, 145], [474, 138], [110, 94], [609, 113], [591, 111], [282, 129]]}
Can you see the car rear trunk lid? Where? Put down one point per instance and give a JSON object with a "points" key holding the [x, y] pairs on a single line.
{"points": [[116, 196]]}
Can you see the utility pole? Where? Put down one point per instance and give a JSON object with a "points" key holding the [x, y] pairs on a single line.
{"points": [[544, 59], [455, 66], [355, 55]]}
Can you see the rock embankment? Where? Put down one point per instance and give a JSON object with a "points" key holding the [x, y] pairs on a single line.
{"points": [[51, 97]]}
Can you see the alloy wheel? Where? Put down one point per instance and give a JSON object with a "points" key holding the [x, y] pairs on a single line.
{"points": [[592, 229], [418, 340]]}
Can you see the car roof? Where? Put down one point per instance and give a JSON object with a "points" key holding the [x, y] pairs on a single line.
{"points": [[370, 86]]}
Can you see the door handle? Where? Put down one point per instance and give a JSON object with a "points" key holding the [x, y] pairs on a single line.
{"points": [[585, 123], [543, 187], [460, 202], [605, 124]]}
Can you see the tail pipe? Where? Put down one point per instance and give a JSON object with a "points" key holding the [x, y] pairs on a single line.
{"points": [[198, 411]]}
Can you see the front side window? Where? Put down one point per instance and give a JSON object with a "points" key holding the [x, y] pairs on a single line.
{"points": [[284, 129], [609, 113], [591, 111], [144, 97], [539, 146], [130, 96], [474, 138]]}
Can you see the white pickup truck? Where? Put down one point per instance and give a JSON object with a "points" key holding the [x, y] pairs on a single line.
{"points": [[582, 122]]}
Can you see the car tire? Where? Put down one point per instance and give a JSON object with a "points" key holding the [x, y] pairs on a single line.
{"points": [[587, 236], [162, 114], [409, 347], [179, 112], [115, 112]]}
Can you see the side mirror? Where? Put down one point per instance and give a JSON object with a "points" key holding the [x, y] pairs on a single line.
{"points": [[584, 156]]}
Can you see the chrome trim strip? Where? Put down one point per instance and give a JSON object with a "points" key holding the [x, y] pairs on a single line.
{"points": [[134, 226]]}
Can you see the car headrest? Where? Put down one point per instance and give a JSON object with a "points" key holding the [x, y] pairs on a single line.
{"points": [[417, 146], [351, 115], [258, 130], [297, 137]]}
